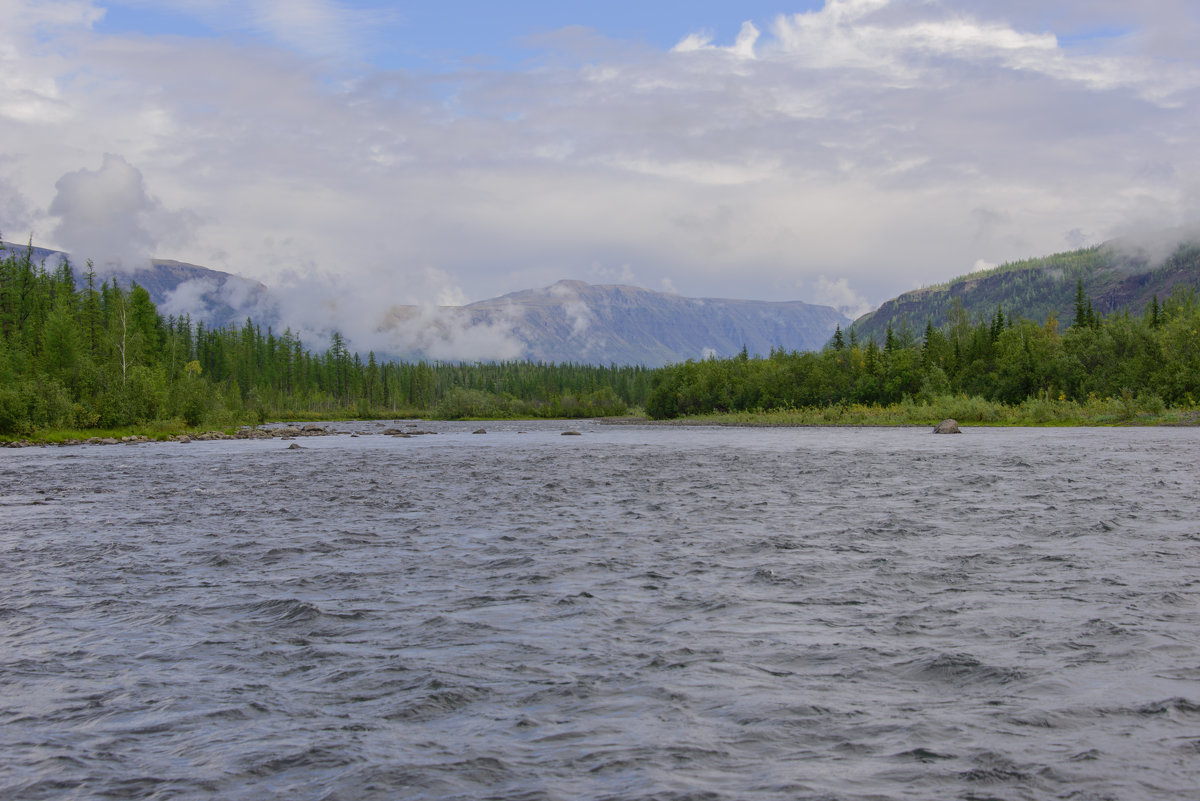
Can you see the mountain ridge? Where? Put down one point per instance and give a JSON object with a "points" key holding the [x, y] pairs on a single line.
{"points": [[1115, 277], [226, 298], [574, 321]]}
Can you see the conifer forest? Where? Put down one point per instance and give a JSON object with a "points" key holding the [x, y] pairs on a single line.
{"points": [[77, 355]]}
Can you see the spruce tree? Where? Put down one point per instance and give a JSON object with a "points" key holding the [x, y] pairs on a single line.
{"points": [[1080, 306]]}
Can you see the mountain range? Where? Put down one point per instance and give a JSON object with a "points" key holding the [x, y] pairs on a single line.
{"points": [[573, 321], [570, 321]]}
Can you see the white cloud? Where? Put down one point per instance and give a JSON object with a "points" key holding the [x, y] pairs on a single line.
{"points": [[188, 298], [857, 151], [743, 46], [579, 315], [577, 312], [28, 92], [448, 334], [107, 215], [14, 206], [840, 296]]}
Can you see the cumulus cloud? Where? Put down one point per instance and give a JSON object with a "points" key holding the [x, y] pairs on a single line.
{"points": [[14, 208], [105, 214]]}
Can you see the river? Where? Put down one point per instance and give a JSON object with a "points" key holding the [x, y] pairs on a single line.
{"points": [[637, 612]]}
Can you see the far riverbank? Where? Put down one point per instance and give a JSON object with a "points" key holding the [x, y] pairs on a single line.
{"points": [[967, 411]]}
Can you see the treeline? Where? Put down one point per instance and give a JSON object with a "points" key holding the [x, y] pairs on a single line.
{"points": [[81, 355], [1151, 361]]}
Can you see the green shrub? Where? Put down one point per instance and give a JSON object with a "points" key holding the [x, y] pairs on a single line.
{"points": [[14, 415]]}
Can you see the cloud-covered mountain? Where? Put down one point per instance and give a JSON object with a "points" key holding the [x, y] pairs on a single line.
{"points": [[572, 321], [209, 296]]}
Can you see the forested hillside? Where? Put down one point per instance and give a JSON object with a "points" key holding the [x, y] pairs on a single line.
{"points": [[1142, 362], [225, 298], [74, 354], [1115, 280]]}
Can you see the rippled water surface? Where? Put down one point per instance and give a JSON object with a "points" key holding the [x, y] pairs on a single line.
{"points": [[634, 613]]}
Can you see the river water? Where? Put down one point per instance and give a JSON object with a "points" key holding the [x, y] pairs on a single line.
{"points": [[634, 613]]}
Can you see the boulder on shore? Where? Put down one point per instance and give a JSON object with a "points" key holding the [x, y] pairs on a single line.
{"points": [[947, 426]]}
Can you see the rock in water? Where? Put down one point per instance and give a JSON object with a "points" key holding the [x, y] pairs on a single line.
{"points": [[479, 431], [947, 426]]}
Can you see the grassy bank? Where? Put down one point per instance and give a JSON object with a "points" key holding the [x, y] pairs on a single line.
{"points": [[228, 424], [158, 430], [975, 411], [1127, 410]]}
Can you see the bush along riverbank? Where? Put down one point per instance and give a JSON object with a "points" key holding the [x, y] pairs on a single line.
{"points": [[133, 436], [1107, 370], [967, 411]]}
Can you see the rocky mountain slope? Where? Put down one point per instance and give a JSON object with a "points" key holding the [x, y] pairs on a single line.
{"points": [[572, 321]]}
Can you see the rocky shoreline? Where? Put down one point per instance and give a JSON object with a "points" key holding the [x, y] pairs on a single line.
{"points": [[288, 432]]}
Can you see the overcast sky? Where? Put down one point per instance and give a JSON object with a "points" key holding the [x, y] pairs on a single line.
{"points": [[838, 152]]}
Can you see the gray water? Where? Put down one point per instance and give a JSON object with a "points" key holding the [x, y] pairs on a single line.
{"points": [[634, 613]]}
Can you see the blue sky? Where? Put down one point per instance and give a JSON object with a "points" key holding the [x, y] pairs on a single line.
{"points": [[834, 151], [439, 36]]}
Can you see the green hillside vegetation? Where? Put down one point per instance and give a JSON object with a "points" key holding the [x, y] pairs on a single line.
{"points": [[101, 357], [1102, 369], [1038, 288]]}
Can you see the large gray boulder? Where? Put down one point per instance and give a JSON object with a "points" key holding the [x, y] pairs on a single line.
{"points": [[947, 426]]}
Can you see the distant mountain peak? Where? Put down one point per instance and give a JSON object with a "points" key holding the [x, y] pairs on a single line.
{"points": [[574, 321]]}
